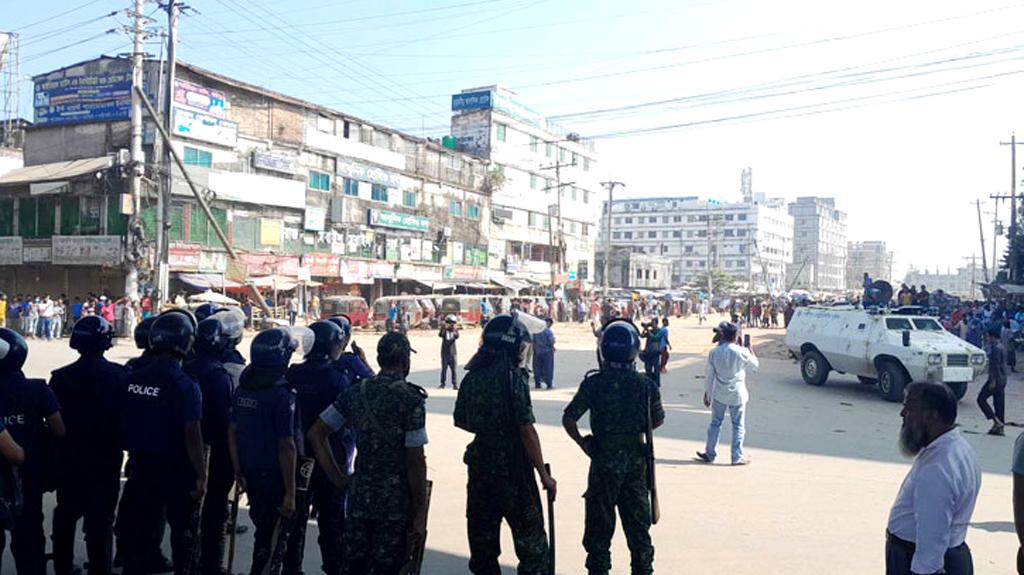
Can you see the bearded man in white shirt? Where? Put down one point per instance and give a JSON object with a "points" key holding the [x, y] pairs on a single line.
{"points": [[928, 522]]}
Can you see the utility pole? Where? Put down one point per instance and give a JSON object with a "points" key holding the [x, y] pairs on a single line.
{"points": [[1013, 206], [555, 238], [981, 232], [131, 280], [610, 186], [165, 195]]}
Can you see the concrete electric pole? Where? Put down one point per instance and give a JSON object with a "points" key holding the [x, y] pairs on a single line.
{"points": [[555, 236], [164, 198], [610, 186], [1013, 205], [131, 280]]}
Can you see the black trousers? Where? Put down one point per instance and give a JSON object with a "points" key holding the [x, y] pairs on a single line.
{"points": [[899, 554], [329, 503], [448, 363], [160, 487], [87, 490], [998, 396], [215, 510], [126, 509], [28, 544], [266, 492]]}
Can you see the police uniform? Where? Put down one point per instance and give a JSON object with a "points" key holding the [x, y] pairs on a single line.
{"points": [[353, 367], [388, 416], [544, 358], [89, 391], [24, 406], [501, 481]]}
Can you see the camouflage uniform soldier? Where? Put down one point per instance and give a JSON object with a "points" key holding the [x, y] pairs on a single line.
{"points": [[494, 404], [387, 499], [619, 400]]}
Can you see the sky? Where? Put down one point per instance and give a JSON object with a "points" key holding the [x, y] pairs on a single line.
{"points": [[896, 109]]}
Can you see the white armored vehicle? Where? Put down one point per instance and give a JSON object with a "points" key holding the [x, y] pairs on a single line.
{"points": [[882, 347]]}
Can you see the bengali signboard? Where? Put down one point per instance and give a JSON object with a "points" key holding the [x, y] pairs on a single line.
{"points": [[183, 256], [321, 265], [199, 98], [10, 251], [472, 101], [356, 272], [275, 161], [216, 262], [87, 250], [81, 94], [270, 231], [398, 221], [262, 264], [314, 219], [204, 127], [367, 173], [36, 251]]}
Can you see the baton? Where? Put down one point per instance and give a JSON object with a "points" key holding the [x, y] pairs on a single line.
{"points": [[551, 524]]}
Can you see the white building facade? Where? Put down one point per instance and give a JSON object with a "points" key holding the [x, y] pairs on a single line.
{"points": [[538, 170], [752, 242], [819, 244], [871, 257]]}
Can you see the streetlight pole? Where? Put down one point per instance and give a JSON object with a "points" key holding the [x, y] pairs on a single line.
{"points": [[610, 186]]}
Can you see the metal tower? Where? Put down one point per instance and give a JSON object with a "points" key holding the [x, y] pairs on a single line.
{"points": [[10, 93], [747, 185]]}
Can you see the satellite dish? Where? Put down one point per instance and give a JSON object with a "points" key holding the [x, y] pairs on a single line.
{"points": [[880, 293]]}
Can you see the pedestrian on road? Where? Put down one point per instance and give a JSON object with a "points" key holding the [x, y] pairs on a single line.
{"points": [[544, 357], [387, 505], [652, 351], [293, 310], [928, 521], [494, 405], [404, 321], [449, 334], [725, 388], [703, 312], [995, 386], [620, 402], [666, 345]]}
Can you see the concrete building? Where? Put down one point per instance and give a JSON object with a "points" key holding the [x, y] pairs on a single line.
{"points": [[961, 282], [819, 244], [628, 269], [303, 192], [537, 167], [752, 242], [872, 257]]}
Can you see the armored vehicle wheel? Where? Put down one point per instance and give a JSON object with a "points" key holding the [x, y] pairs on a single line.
{"points": [[814, 368], [891, 381], [959, 389]]}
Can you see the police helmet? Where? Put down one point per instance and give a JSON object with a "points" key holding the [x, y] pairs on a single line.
{"points": [[173, 331], [189, 317], [142, 332], [619, 343], [92, 333], [206, 310], [329, 337], [341, 320], [232, 324], [505, 333], [392, 347], [273, 348], [13, 351], [450, 318], [211, 338]]}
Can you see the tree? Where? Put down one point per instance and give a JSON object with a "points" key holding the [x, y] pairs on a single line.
{"points": [[721, 282]]}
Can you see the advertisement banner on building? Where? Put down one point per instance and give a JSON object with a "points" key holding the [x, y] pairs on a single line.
{"points": [[214, 262], [472, 101], [356, 272], [72, 96], [263, 264], [275, 161], [418, 272], [314, 219], [10, 251], [199, 98], [87, 250], [270, 232], [398, 221], [367, 173], [183, 256], [464, 272], [382, 270], [36, 251], [204, 127], [322, 265]]}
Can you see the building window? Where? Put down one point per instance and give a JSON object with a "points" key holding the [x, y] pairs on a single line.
{"points": [[350, 186], [586, 230], [664, 219], [547, 149], [728, 263], [654, 273], [618, 221], [688, 249], [664, 234], [500, 130], [586, 164], [561, 154], [574, 193], [455, 208], [741, 233], [379, 193], [473, 211], [742, 217], [548, 186], [196, 157], [531, 220], [729, 233], [728, 217], [677, 234], [691, 219], [586, 197], [652, 220], [572, 227], [627, 235], [629, 220], [616, 235], [319, 181], [639, 274], [689, 264], [533, 144], [533, 181], [409, 199], [677, 219], [652, 234]]}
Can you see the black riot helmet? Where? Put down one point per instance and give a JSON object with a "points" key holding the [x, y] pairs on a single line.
{"points": [[341, 320], [13, 351], [92, 334], [619, 343], [210, 336], [206, 310], [232, 323], [173, 331], [142, 332], [329, 339], [505, 333], [273, 348]]}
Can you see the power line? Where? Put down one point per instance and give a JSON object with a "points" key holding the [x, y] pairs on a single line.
{"points": [[66, 46], [54, 33], [56, 16]]}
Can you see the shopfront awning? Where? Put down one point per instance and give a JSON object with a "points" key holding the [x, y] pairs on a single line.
{"points": [[511, 283], [56, 171], [203, 282]]}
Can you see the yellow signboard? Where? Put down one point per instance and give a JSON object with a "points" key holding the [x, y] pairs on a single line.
{"points": [[270, 232]]}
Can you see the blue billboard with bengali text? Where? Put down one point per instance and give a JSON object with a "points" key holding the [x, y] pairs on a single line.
{"points": [[472, 101], [83, 94]]}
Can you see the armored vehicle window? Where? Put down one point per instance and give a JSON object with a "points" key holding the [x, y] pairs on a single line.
{"points": [[927, 325], [900, 323]]}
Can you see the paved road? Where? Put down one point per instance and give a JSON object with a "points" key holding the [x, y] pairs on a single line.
{"points": [[825, 468]]}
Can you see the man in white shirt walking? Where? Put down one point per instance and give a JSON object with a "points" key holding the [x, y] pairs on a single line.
{"points": [[725, 387], [928, 522]]}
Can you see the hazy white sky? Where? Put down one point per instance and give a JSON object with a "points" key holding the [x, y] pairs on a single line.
{"points": [[904, 156]]}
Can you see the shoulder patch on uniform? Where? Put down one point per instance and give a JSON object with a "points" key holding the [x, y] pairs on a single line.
{"points": [[419, 390]]}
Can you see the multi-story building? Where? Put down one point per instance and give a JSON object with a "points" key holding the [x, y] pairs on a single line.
{"points": [[629, 269], [962, 282], [544, 185], [753, 242], [872, 258], [819, 244], [302, 191]]}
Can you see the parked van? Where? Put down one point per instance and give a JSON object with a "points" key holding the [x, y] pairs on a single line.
{"points": [[353, 306]]}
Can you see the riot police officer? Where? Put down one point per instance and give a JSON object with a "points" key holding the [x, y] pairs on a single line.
{"points": [[265, 441], [352, 363], [317, 382], [233, 330], [213, 337], [494, 405], [89, 391], [162, 411], [621, 403], [31, 414]]}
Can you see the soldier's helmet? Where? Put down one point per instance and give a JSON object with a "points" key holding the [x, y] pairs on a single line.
{"points": [[329, 337], [211, 336], [92, 333], [505, 333], [173, 331], [142, 332], [13, 351], [206, 310], [273, 348], [232, 324], [393, 346], [341, 320], [619, 343]]}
